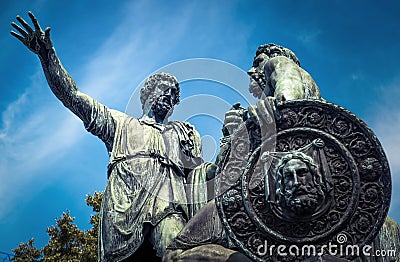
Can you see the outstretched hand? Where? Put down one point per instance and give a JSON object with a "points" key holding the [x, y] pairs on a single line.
{"points": [[35, 39]]}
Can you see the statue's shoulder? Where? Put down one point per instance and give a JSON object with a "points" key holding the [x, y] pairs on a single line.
{"points": [[121, 117]]}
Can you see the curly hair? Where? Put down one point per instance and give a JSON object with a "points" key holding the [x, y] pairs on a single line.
{"points": [[273, 50], [258, 75], [160, 80]]}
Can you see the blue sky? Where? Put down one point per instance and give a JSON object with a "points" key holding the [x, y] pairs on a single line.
{"points": [[49, 163]]}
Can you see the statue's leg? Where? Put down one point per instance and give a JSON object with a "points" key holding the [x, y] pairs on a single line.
{"points": [[202, 239], [165, 232], [208, 252]]}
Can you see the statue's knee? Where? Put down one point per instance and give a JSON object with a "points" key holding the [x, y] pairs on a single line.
{"points": [[171, 255], [166, 231]]}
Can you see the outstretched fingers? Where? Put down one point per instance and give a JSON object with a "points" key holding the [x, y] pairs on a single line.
{"points": [[35, 22], [22, 33], [17, 36], [32, 36], [19, 29], [27, 27]]}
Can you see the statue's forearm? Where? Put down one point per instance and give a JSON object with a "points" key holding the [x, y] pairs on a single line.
{"points": [[95, 116], [60, 82]]}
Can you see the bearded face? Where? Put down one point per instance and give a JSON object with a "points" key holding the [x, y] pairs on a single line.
{"points": [[299, 191], [164, 102], [301, 199]]}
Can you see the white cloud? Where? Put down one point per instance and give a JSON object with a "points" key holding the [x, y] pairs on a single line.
{"points": [[37, 131], [9, 114], [27, 142], [131, 52], [309, 37], [387, 129], [386, 121], [386, 125]]}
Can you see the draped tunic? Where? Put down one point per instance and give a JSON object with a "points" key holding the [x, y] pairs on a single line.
{"points": [[146, 181]]}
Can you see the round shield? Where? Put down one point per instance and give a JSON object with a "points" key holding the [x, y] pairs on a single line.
{"points": [[325, 183]]}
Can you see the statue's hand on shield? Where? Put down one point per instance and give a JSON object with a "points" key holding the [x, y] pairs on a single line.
{"points": [[35, 39], [233, 118]]}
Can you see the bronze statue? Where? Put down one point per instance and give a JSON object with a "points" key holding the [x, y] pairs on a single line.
{"points": [[292, 173], [276, 75], [276, 72], [303, 181], [332, 178], [150, 158]]}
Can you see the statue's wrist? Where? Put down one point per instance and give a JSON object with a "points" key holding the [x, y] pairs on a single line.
{"points": [[45, 55]]}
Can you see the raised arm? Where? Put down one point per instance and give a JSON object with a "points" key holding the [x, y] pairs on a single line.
{"points": [[39, 42], [96, 117]]}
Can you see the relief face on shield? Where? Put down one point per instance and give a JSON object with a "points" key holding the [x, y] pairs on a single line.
{"points": [[298, 183]]}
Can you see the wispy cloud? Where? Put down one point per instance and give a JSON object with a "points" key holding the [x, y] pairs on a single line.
{"points": [[27, 142], [132, 51], [386, 124], [309, 37], [386, 120], [8, 115], [37, 131]]}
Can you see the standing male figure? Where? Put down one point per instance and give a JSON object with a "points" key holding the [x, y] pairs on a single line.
{"points": [[149, 157]]}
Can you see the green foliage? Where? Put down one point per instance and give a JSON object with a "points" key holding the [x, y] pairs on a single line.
{"points": [[26, 252], [90, 244], [67, 242]]}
